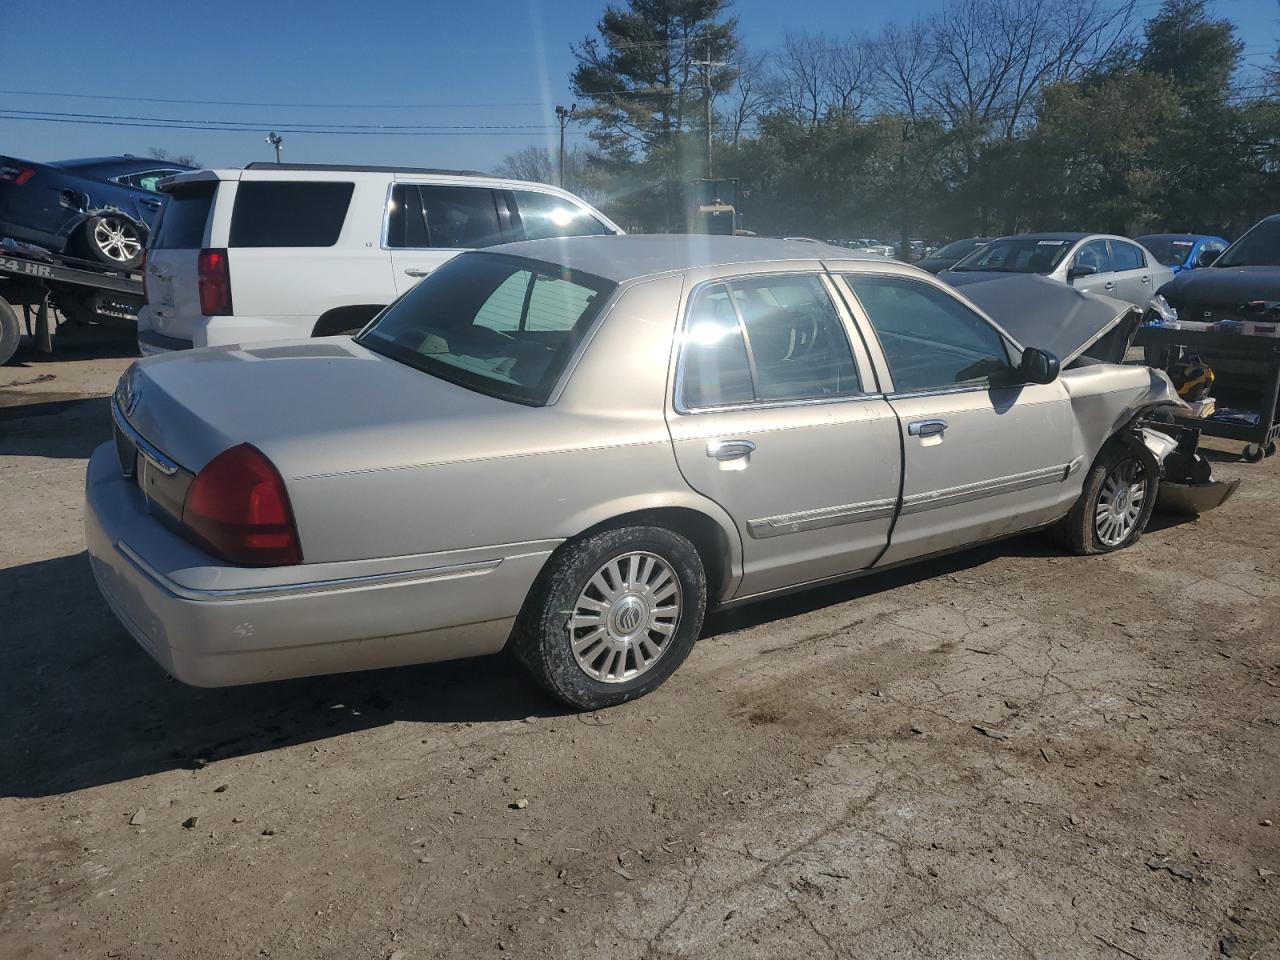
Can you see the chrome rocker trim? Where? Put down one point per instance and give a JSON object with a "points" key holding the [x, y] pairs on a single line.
{"points": [[950, 496], [822, 517]]}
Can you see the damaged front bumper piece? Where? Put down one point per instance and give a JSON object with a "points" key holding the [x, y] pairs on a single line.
{"points": [[1187, 485]]}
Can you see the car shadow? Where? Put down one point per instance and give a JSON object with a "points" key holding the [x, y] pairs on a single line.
{"points": [[52, 425], [81, 704]]}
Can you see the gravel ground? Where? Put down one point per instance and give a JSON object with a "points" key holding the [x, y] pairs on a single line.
{"points": [[1007, 753]]}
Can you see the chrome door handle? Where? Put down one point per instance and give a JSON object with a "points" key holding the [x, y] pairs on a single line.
{"points": [[1108, 285], [927, 428], [1146, 279], [415, 272], [729, 449]]}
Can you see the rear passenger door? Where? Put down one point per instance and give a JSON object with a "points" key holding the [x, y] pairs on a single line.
{"points": [[776, 417], [430, 223], [536, 215], [1132, 273]]}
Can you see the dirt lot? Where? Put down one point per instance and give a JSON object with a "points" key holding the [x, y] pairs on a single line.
{"points": [[812, 783]]}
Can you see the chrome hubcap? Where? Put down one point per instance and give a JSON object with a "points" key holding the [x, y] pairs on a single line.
{"points": [[1120, 502], [117, 239], [625, 617]]}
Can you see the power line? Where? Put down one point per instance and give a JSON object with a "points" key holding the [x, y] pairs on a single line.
{"points": [[261, 103]]}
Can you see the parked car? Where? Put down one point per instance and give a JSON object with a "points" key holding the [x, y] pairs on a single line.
{"points": [[574, 447], [1094, 262], [101, 209], [951, 254], [1242, 283], [1183, 251], [276, 251]]}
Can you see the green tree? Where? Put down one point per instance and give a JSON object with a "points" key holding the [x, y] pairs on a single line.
{"points": [[647, 85]]}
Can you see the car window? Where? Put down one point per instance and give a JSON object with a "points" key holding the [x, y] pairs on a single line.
{"points": [[146, 180], [714, 369], [496, 324], [185, 214], [1125, 256], [1016, 255], [460, 217], [406, 225], [280, 213], [796, 340], [1093, 254], [930, 340], [1260, 247], [1170, 252], [546, 215]]}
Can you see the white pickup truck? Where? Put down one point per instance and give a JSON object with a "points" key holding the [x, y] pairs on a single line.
{"points": [[281, 251]]}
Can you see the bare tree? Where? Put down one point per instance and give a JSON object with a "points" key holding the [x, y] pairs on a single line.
{"points": [[529, 163], [800, 81], [902, 61], [848, 76], [992, 57], [185, 159], [749, 96]]}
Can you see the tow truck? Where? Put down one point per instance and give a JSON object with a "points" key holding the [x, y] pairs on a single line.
{"points": [[82, 291]]}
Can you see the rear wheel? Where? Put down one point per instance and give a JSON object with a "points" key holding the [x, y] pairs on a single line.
{"points": [[1114, 506], [613, 616], [113, 240], [10, 332]]}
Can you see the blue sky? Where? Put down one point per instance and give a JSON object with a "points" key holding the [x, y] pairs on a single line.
{"points": [[501, 62]]}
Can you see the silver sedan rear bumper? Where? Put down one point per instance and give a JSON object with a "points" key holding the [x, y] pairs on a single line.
{"points": [[212, 624]]}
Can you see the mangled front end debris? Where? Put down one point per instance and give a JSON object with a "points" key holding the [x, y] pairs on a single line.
{"points": [[1090, 335]]}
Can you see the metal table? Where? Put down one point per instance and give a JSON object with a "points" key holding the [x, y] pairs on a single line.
{"points": [[1260, 439]]}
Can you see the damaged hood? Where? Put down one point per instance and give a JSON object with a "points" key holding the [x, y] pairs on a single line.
{"points": [[1047, 314]]}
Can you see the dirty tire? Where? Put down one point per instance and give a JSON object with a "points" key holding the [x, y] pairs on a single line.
{"points": [[1078, 531], [10, 332], [542, 636]]}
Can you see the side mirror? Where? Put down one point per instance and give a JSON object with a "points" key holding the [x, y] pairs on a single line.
{"points": [[1081, 270], [1039, 366]]}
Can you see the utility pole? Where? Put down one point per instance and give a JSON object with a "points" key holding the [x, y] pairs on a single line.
{"points": [[706, 66], [564, 116], [276, 141]]}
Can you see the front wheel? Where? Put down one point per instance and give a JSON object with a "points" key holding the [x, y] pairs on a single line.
{"points": [[113, 240], [613, 616], [1114, 506]]}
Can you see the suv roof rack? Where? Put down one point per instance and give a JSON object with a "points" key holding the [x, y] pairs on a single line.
{"points": [[353, 168]]}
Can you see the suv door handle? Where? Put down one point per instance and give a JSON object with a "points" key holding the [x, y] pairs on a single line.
{"points": [[1109, 285], [927, 428], [150, 202], [415, 272], [729, 449]]}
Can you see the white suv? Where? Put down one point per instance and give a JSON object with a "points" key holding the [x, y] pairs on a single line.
{"points": [[274, 252]]}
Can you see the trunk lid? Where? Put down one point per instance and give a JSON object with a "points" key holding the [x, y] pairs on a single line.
{"points": [[313, 407]]}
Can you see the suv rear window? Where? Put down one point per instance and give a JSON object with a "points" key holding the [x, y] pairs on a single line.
{"points": [[270, 213], [185, 214]]}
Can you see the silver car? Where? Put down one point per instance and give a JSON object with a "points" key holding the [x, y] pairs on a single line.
{"points": [[572, 448], [1093, 262]]}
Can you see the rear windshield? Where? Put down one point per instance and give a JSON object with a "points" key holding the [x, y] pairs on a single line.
{"points": [[1016, 255], [185, 214], [500, 325], [289, 214], [1169, 252], [1260, 247]]}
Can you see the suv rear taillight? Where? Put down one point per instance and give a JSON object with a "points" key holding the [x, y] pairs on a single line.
{"points": [[11, 171], [215, 283], [238, 508]]}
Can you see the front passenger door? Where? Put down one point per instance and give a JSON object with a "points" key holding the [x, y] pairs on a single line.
{"points": [[983, 455], [1091, 270]]}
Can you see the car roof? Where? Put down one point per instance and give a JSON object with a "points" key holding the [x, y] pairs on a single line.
{"points": [[1070, 236], [125, 162], [623, 258], [1177, 236]]}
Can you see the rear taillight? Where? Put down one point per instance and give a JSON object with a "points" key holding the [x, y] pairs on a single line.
{"points": [[237, 507], [215, 283], [16, 173]]}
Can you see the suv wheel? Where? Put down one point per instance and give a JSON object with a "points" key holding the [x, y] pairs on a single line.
{"points": [[613, 616]]}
